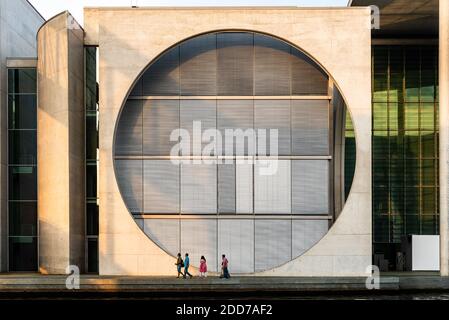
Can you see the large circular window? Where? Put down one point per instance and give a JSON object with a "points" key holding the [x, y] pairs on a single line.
{"points": [[194, 187]]}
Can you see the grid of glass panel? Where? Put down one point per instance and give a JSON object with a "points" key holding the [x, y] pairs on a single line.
{"points": [[229, 80], [405, 142], [92, 209], [22, 170]]}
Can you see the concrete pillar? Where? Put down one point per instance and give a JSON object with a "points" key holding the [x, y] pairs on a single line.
{"points": [[61, 161], [444, 136]]}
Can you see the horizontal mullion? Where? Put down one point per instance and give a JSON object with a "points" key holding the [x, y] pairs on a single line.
{"points": [[223, 158], [230, 98], [214, 216]]}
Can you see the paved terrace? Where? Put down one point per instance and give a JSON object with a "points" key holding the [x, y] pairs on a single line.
{"points": [[389, 282]]}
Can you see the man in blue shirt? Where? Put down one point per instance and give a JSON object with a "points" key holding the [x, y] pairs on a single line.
{"points": [[186, 266]]}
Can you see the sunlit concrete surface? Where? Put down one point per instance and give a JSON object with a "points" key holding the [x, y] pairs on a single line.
{"points": [[129, 39]]}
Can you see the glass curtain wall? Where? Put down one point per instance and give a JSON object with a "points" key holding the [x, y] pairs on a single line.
{"points": [[405, 145], [22, 170], [91, 101]]}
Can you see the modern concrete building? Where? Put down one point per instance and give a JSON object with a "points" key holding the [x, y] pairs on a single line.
{"points": [[151, 140]]}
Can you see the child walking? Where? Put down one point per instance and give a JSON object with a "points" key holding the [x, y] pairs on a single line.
{"points": [[203, 267]]}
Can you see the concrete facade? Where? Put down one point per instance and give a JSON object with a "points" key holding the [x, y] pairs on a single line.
{"points": [[61, 161], [129, 39], [19, 22]]}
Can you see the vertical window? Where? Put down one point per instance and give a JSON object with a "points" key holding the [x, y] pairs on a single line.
{"points": [[22, 170]]}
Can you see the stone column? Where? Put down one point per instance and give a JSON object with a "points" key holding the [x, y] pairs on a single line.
{"points": [[60, 140], [444, 136]]}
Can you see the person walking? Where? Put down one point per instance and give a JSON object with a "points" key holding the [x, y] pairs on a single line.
{"points": [[224, 267], [186, 266], [203, 267], [179, 264]]}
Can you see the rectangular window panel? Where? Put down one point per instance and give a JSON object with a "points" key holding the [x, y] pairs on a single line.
{"points": [[199, 66], [197, 116], [412, 74], [236, 241], [429, 147], [129, 131], [130, 177], [235, 64], [307, 78], [244, 188], [412, 224], [198, 189], [160, 118], [92, 217], [310, 127], [23, 219], [22, 147], [91, 180], [22, 111], [23, 254], [226, 189], [396, 92], [310, 187], [165, 233], [92, 255], [412, 116], [380, 145], [161, 187], [23, 81], [23, 183], [307, 233], [380, 116], [91, 136], [412, 200], [381, 225], [272, 69], [238, 116], [272, 185], [273, 243], [199, 238], [429, 199], [397, 228], [273, 115], [380, 88], [162, 78]]}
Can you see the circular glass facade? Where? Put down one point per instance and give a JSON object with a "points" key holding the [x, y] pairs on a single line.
{"points": [[192, 142]]}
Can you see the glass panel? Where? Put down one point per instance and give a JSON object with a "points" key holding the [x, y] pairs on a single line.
{"points": [[380, 200], [160, 119], [428, 201], [23, 254], [427, 116], [307, 77], [92, 219], [91, 137], [23, 219], [22, 112], [382, 229], [235, 64], [380, 116], [429, 145], [412, 196], [380, 88], [412, 172], [91, 180], [428, 172], [412, 144], [92, 255], [129, 139], [397, 201], [380, 63], [412, 116], [22, 81], [412, 74], [22, 147], [199, 66], [162, 78], [22, 183], [272, 67], [412, 224]]}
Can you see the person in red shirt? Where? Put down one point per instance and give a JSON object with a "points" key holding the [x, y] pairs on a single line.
{"points": [[224, 268]]}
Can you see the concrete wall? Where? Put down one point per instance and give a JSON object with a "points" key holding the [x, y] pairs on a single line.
{"points": [[19, 23], [61, 162], [129, 39]]}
